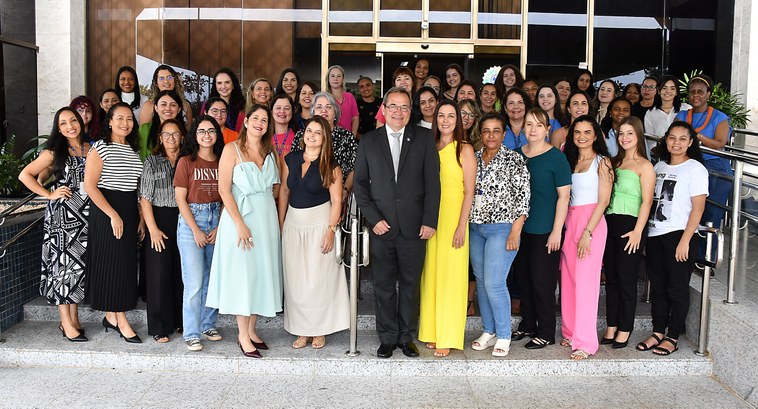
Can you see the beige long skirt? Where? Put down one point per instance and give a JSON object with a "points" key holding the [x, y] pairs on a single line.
{"points": [[315, 287]]}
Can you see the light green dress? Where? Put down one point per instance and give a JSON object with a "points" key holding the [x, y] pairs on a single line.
{"points": [[249, 282]]}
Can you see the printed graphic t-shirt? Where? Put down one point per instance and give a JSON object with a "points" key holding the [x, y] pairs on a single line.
{"points": [[200, 178], [672, 200]]}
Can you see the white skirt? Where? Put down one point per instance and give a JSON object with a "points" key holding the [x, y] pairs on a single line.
{"points": [[315, 288]]}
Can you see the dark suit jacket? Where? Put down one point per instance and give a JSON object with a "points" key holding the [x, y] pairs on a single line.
{"points": [[414, 199]]}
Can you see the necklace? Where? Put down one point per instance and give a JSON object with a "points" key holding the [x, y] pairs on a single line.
{"points": [[81, 150], [309, 157]]}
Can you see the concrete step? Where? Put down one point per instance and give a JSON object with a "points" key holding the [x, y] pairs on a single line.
{"points": [[39, 310], [35, 343]]}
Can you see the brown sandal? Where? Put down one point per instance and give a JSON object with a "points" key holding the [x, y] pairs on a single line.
{"points": [[318, 342], [300, 342]]}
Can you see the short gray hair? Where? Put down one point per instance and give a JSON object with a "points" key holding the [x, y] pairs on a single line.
{"points": [[332, 102]]}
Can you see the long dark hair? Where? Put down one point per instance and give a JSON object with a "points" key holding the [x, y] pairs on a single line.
{"points": [[190, 147], [571, 96], [591, 89], [641, 147], [133, 138], [677, 98], [416, 114], [500, 86], [279, 89], [443, 84], [457, 132], [693, 152], [313, 86], [616, 91], [558, 114], [58, 144], [136, 103], [326, 163], [267, 146], [598, 145], [152, 136], [236, 99]]}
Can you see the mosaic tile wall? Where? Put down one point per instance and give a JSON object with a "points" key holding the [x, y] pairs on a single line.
{"points": [[19, 268]]}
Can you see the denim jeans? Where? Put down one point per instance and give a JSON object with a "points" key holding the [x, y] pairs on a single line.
{"points": [[196, 269], [491, 263]]}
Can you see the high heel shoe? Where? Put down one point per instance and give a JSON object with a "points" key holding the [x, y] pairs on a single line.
{"points": [[609, 341], [259, 345], [79, 338], [107, 324], [253, 354], [81, 330], [133, 340], [619, 345]]}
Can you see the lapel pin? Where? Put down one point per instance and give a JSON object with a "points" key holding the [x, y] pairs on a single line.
{"points": [[408, 140]]}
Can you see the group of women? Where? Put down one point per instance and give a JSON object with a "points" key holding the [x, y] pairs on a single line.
{"points": [[238, 214]]}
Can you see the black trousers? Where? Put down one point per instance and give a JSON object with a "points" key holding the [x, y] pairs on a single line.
{"points": [[621, 273], [536, 273], [163, 277], [400, 262], [669, 282]]}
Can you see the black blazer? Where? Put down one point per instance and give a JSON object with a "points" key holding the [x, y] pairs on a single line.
{"points": [[414, 199]]}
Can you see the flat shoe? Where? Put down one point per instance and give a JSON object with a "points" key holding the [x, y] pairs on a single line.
{"points": [[538, 343], [161, 339], [579, 355], [484, 341], [519, 335], [644, 347], [430, 345], [442, 352], [659, 350], [565, 342]]}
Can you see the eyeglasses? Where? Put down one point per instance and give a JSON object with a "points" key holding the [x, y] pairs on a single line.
{"points": [[466, 114], [216, 111], [210, 132], [648, 87], [166, 78], [394, 107], [83, 111], [319, 107], [174, 135]]}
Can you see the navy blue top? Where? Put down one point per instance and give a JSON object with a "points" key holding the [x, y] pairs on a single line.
{"points": [[306, 191]]}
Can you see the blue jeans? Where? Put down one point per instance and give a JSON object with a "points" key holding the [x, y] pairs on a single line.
{"points": [[491, 263], [196, 269]]}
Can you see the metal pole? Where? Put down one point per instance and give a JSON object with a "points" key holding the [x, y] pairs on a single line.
{"points": [[647, 289], [353, 287], [734, 241], [705, 300]]}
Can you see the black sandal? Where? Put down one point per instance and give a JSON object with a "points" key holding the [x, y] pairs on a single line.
{"points": [[159, 338], [659, 350], [642, 346]]}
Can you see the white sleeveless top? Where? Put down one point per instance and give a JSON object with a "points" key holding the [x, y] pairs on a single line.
{"points": [[584, 186]]}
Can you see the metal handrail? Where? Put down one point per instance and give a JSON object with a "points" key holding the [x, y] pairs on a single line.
{"points": [[28, 198], [745, 132], [19, 235], [708, 233], [735, 210]]}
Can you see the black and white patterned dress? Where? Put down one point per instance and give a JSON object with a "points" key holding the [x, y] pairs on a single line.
{"points": [[65, 239]]}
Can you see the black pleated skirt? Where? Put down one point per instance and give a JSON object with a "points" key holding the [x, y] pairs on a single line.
{"points": [[111, 262]]}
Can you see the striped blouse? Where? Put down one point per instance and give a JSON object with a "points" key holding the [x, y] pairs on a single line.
{"points": [[122, 167], [157, 183]]}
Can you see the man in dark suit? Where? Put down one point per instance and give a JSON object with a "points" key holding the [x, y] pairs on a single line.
{"points": [[397, 187]]}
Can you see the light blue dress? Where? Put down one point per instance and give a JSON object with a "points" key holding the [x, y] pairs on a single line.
{"points": [[249, 282]]}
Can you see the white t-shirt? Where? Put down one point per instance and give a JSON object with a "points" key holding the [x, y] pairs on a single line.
{"points": [[672, 200]]}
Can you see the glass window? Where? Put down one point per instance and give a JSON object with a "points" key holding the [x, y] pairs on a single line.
{"points": [[351, 17], [450, 19], [400, 18], [557, 38], [499, 19]]}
